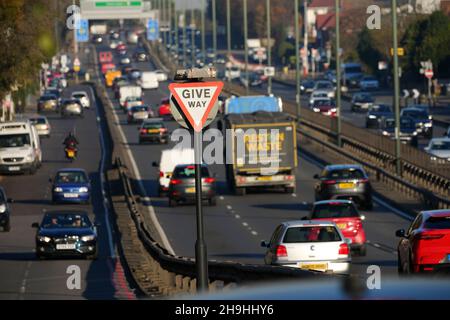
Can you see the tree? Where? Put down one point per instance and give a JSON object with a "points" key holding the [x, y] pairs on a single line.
{"points": [[367, 52]]}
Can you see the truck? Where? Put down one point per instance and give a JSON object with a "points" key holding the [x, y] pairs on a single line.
{"points": [[98, 29], [261, 151], [148, 80], [351, 74], [128, 91]]}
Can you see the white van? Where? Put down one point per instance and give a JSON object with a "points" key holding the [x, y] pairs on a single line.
{"points": [[170, 158], [148, 80], [20, 148], [129, 91]]}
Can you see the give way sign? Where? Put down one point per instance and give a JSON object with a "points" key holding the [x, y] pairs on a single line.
{"points": [[195, 101]]}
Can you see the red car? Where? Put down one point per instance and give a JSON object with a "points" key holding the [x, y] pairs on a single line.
{"points": [[346, 217], [164, 108], [327, 107], [121, 47], [105, 57], [425, 246]]}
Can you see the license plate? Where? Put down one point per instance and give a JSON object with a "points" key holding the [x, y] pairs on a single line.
{"points": [[68, 246], [341, 225], [71, 154], [48, 106], [346, 185], [190, 190], [13, 168], [314, 266], [264, 178], [70, 195], [153, 131]]}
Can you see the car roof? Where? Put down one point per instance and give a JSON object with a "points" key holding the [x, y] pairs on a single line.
{"points": [[414, 109], [71, 170], [79, 92], [436, 213], [343, 166], [55, 212], [157, 120], [306, 223], [444, 139], [341, 201]]}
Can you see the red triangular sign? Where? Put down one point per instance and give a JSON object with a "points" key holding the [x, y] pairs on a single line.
{"points": [[196, 99]]}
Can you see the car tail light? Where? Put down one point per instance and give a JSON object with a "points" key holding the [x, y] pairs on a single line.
{"points": [[143, 131], [190, 167], [209, 180], [430, 236], [162, 130], [363, 180], [175, 181], [161, 174], [329, 181], [281, 251], [343, 249]]}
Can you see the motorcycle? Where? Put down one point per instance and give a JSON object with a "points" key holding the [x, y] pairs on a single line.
{"points": [[71, 152]]}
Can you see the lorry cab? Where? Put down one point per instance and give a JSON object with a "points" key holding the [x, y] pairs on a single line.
{"points": [[149, 80], [20, 148]]}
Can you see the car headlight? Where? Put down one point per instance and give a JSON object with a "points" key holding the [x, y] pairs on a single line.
{"points": [[316, 109], [311, 101], [428, 124], [44, 239], [430, 117], [2, 208], [333, 110], [372, 116], [433, 158], [83, 189], [29, 157], [58, 189], [415, 133], [88, 238], [385, 133]]}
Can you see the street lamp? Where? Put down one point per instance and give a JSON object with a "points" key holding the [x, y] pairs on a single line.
{"points": [[246, 47], [338, 74], [398, 168], [297, 60], [269, 53]]}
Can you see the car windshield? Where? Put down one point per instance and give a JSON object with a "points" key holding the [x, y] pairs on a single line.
{"points": [[311, 234], [38, 120], [324, 85], [440, 145], [320, 95], [355, 69], [415, 114], [78, 95], [404, 123], [70, 177], [66, 220], [323, 102], [364, 97], [345, 174], [48, 97], [369, 79], [380, 108], [139, 109], [189, 172], [437, 223], [334, 210], [153, 125], [14, 140]]}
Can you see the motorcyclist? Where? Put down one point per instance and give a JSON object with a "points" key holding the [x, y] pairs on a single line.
{"points": [[70, 141]]}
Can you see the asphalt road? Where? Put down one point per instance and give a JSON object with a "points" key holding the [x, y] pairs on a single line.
{"points": [[235, 227], [22, 275]]}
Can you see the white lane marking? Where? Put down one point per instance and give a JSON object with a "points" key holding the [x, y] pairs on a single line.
{"points": [[23, 286], [221, 198], [245, 224], [237, 216], [304, 203], [376, 245], [232, 212], [375, 198], [254, 233], [229, 207], [112, 251], [155, 221], [294, 195]]}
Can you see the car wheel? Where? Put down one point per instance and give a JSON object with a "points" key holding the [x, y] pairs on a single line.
{"points": [[399, 264], [172, 203], [93, 256], [362, 250], [239, 191], [212, 201]]}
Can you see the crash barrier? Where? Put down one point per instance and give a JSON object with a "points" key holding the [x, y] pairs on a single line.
{"points": [[174, 274], [156, 271]]}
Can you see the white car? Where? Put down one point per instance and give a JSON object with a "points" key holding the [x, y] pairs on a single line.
{"points": [[325, 85], [125, 60], [161, 75], [83, 97], [439, 149], [309, 245], [369, 83], [317, 95], [42, 125]]}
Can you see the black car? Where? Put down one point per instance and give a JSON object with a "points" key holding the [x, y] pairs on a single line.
{"points": [[5, 211], [422, 119], [66, 233], [408, 130], [153, 130], [306, 86], [376, 114], [362, 101], [342, 181], [182, 185]]}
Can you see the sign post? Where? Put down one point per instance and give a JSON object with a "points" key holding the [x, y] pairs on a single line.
{"points": [[195, 100]]}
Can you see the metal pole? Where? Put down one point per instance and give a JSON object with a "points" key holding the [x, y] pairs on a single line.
{"points": [[163, 18], [201, 258], [305, 39], [192, 38], [398, 168], [75, 46], [203, 32], [169, 15], [228, 33], [269, 52], [176, 33], [184, 36], [297, 60], [338, 75], [214, 27], [246, 47]]}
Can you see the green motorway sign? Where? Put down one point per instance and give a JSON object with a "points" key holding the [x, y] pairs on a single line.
{"points": [[118, 4]]}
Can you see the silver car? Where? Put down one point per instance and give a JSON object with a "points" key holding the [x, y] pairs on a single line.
{"points": [[83, 97], [42, 125], [309, 245], [71, 107]]}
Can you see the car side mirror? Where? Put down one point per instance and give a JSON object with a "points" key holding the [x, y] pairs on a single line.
{"points": [[316, 176], [154, 164], [400, 233], [35, 225], [264, 244]]}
